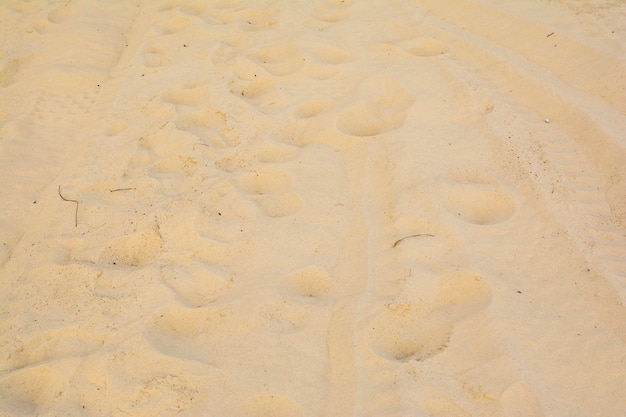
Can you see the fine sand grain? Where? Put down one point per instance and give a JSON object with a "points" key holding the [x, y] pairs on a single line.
{"points": [[322, 208]]}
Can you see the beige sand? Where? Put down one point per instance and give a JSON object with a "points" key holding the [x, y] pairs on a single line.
{"points": [[329, 208]]}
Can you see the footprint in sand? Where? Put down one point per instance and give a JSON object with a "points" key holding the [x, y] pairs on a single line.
{"points": [[258, 92], [424, 47], [218, 333], [271, 151], [228, 50], [331, 11], [331, 54], [381, 108], [194, 283], [264, 180], [194, 333], [210, 125], [280, 60], [196, 116], [416, 331], [188, 95], [270, 188], [257, 85], [62, 338], [312, 108], [477, 202], [280, 205], [227, 214]]}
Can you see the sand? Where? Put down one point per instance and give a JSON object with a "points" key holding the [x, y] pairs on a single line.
{"points": [[325, 208]]}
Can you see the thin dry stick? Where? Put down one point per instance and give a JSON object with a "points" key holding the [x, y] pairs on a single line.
{"points": [[406, 237], [121, 189], [73, 201]]}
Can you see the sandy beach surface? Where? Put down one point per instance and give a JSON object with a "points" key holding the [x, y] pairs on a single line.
{"points": [[313, 208]]}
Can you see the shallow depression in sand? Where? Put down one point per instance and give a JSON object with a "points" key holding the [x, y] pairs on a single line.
{"points": [[478, 203]]}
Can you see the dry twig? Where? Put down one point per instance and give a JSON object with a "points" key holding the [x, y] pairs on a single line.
{"points": [[406, 237], [73, 201]]}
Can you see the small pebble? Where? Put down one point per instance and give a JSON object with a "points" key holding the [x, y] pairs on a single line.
{"points": [[547, 120]]}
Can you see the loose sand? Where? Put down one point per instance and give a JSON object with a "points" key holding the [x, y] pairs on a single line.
{"points": [[325, 208]]}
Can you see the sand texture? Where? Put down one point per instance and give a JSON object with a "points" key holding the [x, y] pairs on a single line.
{"points": [[313, 208]]}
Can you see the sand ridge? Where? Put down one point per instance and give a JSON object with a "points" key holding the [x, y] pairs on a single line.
{"points": [[335, 208]]}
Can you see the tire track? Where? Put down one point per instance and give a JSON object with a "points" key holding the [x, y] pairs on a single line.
{"points": [[580, 152], [509, 104], [602, 72]]}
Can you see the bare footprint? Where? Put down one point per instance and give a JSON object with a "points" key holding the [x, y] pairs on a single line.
{"points": [[405, 332], [408, 330]]}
